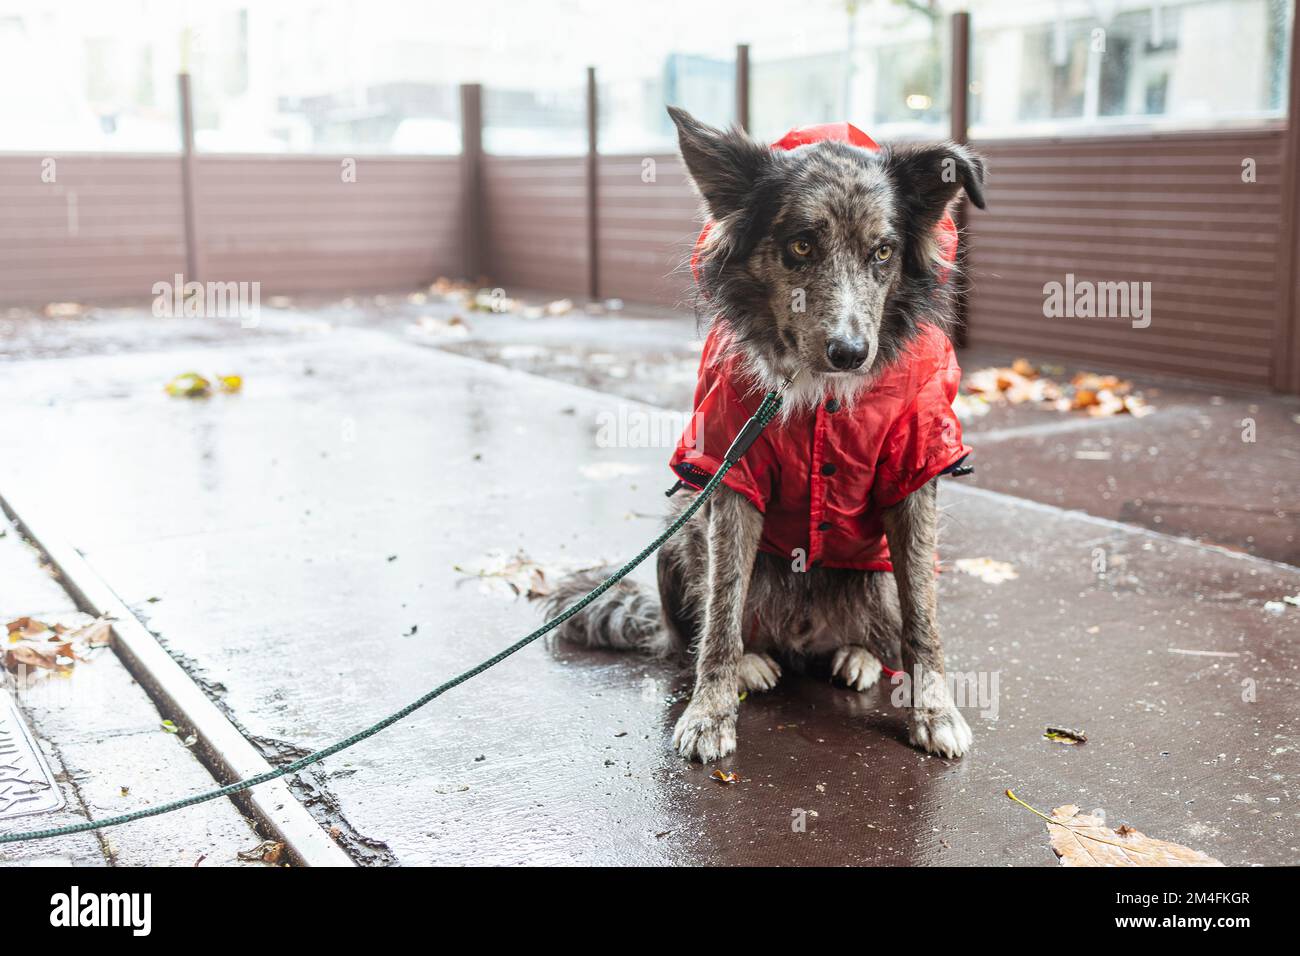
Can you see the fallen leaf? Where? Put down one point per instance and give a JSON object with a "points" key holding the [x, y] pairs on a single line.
{"points": [[39, 646], [725, 777], [1080, 839], [230, 383], [986, 569], [1064, 735], [98, 633], [46, 655], [455, 327], [1136, 406], [189, 385], [519, 573], [25, 627], [1023, 383], [269, 851]]}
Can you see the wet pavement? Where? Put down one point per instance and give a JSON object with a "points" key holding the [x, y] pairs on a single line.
{"points": [[1215, 465], [106, 747], [310, 546]]}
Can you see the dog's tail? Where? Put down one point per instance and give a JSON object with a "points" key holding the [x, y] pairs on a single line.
{"points": [[626, 617]]}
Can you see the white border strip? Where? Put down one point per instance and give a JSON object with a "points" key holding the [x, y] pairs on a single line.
{"points": [[220, 745]]}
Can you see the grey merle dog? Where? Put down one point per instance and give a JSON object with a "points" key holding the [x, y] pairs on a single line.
{"points": [[811, 221]]}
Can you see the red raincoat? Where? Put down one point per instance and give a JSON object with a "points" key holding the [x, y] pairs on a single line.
{"points": [[822, 479]]}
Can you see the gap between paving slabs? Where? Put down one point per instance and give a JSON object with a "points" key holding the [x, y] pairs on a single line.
{"points": [[221, 747]]}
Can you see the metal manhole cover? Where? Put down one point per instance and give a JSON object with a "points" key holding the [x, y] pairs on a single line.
{"points": [[26, 784]]}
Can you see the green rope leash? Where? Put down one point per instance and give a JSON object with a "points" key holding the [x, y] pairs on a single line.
{"points": [[762, 416]]}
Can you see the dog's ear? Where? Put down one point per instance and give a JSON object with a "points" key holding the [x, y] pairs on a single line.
{"points": [[928, 177], [724, 164]]}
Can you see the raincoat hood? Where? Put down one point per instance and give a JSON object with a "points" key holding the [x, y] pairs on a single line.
{"points": [[945, 231]]}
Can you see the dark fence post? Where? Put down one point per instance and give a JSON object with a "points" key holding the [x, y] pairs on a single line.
{"points": [[742, 86], [593, 185], [189, 177], [473, 207], [959, 119], [1286, 368]]}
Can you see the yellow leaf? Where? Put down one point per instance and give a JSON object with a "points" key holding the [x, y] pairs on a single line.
{"points": [[189, 385]]}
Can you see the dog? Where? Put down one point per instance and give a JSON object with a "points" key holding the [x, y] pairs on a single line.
{"points": [[824, 277]]}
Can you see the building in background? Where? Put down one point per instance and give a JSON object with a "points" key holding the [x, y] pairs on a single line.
{"points": [[381, 75]]}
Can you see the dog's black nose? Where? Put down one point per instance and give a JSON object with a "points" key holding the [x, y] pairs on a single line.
{"points": [[846, 354]]}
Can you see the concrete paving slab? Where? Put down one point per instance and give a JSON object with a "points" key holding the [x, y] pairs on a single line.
{"points": [[303, 539]]}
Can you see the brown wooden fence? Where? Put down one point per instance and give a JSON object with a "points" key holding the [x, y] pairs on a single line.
{"points": [[295, 225], [535, 220], [106, 228], [1173, 210], [88, 228]]}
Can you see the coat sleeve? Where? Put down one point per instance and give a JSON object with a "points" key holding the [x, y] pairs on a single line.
{"points": [[719, 416], [924, 441]]}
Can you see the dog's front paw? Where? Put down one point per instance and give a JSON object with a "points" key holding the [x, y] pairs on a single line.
{"points": [[703, 735], [942, 731], [856, 666], [759, 672]]}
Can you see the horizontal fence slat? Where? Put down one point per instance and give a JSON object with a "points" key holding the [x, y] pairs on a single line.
{"points": [[1169, 210], [110, 226]]}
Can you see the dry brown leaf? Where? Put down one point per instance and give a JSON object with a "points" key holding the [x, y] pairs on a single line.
{"points": [[94, 634], [26, 628], [44, 654], [1023, 383], [36, 645], [1079, 839], [269, 851]]}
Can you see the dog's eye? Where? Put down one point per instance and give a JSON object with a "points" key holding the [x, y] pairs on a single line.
{"points": [[800, 248], [884, 253]]}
